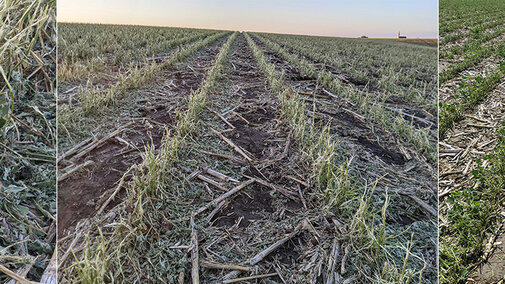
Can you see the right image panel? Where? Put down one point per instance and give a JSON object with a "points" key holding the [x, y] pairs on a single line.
{"points": [[472, 141]]}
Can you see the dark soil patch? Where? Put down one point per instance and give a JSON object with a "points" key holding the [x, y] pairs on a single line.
{"points": [[77, 195], [350, 126], [250, 93], [249, 138], [349, 120], [403, 220], [259, 115], [388, 156], [142, 137], [187, 81], [345, 77], [159, 113], [286, 254], [245, 206], [293, 205]]}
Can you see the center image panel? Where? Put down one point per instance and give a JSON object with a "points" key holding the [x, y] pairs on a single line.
{"points": [[218, 143]]}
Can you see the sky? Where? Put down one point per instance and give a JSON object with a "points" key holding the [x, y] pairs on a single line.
{"points": [[343, 18]]}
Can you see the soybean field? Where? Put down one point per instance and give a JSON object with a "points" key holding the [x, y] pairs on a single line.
{"points": [[472, 84]]}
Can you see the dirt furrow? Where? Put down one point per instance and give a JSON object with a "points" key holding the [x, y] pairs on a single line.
{"points": [[269, 209], [85, 191], [374, 152], [260, 131]]}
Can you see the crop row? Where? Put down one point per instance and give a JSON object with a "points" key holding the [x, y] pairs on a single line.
{"points": [[375, 110], [477, 38], [470, 94], [464, 12], [73, 67], [76, 70], [469, 21], [99, 260], [474, 55], [451, 12], [334, 183], [479, 46], [473, 216], [472, 31], [120, 44], [390, 67], [94, 101], [470, 214]]}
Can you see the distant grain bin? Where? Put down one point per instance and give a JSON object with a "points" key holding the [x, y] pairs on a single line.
{"points": [[401, 36]]}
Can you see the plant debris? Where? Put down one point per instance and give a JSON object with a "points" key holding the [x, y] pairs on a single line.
{"points": [[27, 138]]}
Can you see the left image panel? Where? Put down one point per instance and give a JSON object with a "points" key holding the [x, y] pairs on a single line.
{"points": [[27, 141]]}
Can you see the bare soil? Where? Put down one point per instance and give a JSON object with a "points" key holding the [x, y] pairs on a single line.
{"points": [[492, 270]]}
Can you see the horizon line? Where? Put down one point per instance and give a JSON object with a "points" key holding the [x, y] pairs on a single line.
{"points": [[201, 28]]}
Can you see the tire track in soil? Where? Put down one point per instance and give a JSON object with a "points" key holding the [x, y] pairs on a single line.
{"points": [[262, 133], [80, 195]]}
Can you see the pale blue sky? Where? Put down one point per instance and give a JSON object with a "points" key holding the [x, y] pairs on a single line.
{"points": [[374, 18]]}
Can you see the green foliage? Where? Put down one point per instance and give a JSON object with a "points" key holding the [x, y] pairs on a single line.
{"points": [[472, 217], [475, 24], [471, 92]]}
